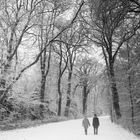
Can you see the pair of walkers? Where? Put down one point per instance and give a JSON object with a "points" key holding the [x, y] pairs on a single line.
{"points": [[95, 124]]}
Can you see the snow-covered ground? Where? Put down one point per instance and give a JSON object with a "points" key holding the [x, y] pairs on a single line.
{"points": [[69, 130]]}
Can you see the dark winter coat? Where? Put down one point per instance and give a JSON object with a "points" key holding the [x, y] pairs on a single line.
{"points": [[85, 123], [95, 122]]}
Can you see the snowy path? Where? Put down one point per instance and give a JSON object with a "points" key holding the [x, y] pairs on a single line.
{"points": [[69, 130]]}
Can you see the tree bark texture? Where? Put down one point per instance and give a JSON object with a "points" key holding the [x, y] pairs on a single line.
{"points": [[42, 88], [68, 102], [131, 99], [60, 96], [130, 83], [85, 94], [44, 72], [115, 95]]}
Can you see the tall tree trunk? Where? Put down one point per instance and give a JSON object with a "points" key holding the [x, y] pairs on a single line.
{"points": [[111, 115], [110, 104], [42, 94], [131, 99], [112, 81], [68, 102], [115, 95], [84, 99], [130, 83], [60, 96], [6, 76], [42, 88], [44, 72]]}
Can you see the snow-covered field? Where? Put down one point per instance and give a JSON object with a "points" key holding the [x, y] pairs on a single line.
{"points": [[69, 130]]}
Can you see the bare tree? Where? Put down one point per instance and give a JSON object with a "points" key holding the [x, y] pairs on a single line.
{"points": [[109, 31], [88, 73], [16, 23], [29, 7], [61, 51], [46, 28], [75, 44], [47, 32]]}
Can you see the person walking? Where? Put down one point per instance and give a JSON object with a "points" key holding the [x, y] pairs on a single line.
{"points": [[85, 124], [95, 124]]}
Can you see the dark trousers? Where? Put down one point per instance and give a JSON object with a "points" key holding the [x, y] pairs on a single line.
{"points": [[85, 131], [95, 130]]}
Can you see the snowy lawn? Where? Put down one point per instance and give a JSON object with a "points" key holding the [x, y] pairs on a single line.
{"points": [[69, 130]]}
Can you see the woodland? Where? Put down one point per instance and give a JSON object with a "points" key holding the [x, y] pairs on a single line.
{"points": [[62, 59]]}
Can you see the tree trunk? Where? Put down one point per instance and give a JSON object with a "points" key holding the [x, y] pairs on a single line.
{"points": [[60, 96], [130, 83], [42, 95], [84, 99], [42, 88], [115, 96], [131, 99], [2, 90], [6, 76], [111, 115], [68, 102], [44, 72]]}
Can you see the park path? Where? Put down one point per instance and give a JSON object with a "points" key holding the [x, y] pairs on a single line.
{"points": [[69, 130]]}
